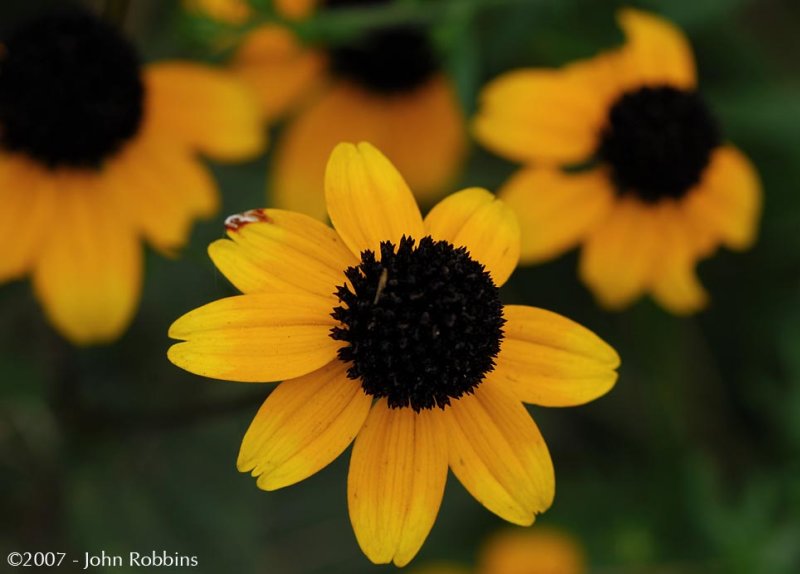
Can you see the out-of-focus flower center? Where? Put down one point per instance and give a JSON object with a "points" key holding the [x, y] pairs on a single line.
{"points": [[658, 141], [70, 90], [387, 59], [423, 323]]}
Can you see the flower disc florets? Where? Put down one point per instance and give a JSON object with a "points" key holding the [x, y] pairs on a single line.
{"points": [[423, 323], [658, 141], [70, 90]]}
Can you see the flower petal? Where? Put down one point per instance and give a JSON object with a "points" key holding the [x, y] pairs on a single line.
{"points": [[487, 227], [304, 424], [675, 283], [422, 133], [396, 482], [656, 52], [368, 200], [727, 203], [295, 9], [29, 201], [281, 71], [556, 210], [620, 253], [282, 251], [163, 188], [255, 338], [498, 454], [539, 550], [209, 109], [89, 273], [548, 360], [539, 115]]}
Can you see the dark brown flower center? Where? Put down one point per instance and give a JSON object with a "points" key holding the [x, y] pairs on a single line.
{"points": [[70, 90], [423, 323], [658, 141], [386, 59]]}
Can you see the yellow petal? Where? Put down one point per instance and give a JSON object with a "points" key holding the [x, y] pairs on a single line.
{"points": [[209, 109], [303, 426], [556, 210], [230, 11], [89, 273], [498, 454], [162, 188], [675, 283], [548, 360], [476, 219], [422, 133], [727, 203], [539, 550], [281, 251], [29, 202], [396, 482], [620, 253], [295, 9], [255, 338], [656, 52], [368, 200], [542, 115], [281, 71]]}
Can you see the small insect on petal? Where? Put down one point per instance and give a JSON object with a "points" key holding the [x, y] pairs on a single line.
{"points": [[239, 220]]}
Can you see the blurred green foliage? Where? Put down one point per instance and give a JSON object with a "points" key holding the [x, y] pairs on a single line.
{"points": [[691, 464]]}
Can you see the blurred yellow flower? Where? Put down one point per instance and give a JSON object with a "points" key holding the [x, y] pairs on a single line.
{"points": [[534, 551], [663, 191], [388, 329], [96, 154], [386, 87]]}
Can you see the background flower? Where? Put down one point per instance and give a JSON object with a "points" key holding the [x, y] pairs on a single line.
{"points": [[688, 465]]}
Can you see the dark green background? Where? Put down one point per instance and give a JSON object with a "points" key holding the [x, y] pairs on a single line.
{"points": [[689, 465]]}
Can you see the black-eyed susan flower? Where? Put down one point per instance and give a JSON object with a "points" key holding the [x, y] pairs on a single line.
{"points": [[386, 86], [540, 550], [388, 329], [664, 188], [97, 153]]}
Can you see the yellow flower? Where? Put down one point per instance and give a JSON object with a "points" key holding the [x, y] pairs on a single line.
{"points": [[537, 551], [96, 154], [664, 190], [409, 352], [386, 87]]}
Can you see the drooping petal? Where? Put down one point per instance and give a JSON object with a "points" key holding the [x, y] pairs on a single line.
{"points": [[539, 115], [422, 133], [549, 360], [89, 273], [675, 283], [162, 188], [281, 251], [619, 254], [368, 200], [255, 338], [281, 71], [29, 202], [656, 52], [498, 454], [556, 210], [209, 109], [304, 424], [396, 482], [476, 219], [727, 203]]}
